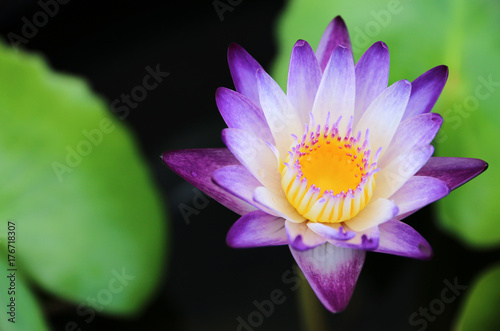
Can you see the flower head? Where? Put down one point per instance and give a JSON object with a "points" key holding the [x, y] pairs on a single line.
{"points": [[331, 167]]}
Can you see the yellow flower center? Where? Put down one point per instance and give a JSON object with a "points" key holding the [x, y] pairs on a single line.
{"points": [[329, 177]]}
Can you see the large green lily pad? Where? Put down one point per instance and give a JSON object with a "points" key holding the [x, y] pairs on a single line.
{"points": [[90, 227]]}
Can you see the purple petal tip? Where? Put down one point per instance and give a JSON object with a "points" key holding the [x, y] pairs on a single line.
{"points": [[437, 118], [338, 19], [426, 251], [300, 43], [369, 243]]}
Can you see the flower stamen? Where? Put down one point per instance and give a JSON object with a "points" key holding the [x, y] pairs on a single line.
{"points": [[327, 176]]}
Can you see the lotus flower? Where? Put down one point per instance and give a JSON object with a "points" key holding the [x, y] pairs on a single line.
{"points": [[331, 167]]}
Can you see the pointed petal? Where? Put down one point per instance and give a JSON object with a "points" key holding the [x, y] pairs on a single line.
{"points": [[426, 90], [333, 231], [372, 77], [418, 192], [243, 68], [332, 273], [412, 133], [240, 113], [335, 34], [336, 92], [197, 166], [304, 76], [397, 172], [454, 171], [281, 116], [254, 155], [277, 204], [238, 181], [257, 229], [384, 115], [398, 238], [301, 237], [376, 212]]}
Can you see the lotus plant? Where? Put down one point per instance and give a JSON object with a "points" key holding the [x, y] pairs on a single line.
{"points": [[332, 166]]}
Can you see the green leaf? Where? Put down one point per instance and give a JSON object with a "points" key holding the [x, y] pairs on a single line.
{"points": [[24, 310], [480, 308], [420, 36], [471, 125], [73, 181]]}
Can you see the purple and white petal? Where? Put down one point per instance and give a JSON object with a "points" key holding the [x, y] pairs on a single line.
{"points": [[304, 76], [366, 240], [383, 116], [332, 273], [372, 77], [418, 192], [411, 133], [197, 166], [400, 170], [255, 155], [331, 231], [301, 238], [335, 34], [257, 229], [243, 68], [398, 238], [240, 113], [282, 118], [277, 204], [238, 181], [426, 90], [454, 171], [336, 92], [376, 212]]}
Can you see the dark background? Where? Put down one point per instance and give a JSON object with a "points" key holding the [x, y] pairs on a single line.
{"points": [[208, 285]]}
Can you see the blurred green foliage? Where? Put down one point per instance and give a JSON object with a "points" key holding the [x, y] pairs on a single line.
{"points": [[24, 305], [421, 35], [73, 181], [480, 311]]}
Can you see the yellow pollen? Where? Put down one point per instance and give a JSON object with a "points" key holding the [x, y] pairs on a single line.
{"points": [[332, 165], [328, 177]]}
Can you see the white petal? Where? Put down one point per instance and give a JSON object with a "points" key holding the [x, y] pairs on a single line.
{"points": [[255, 155], [413, 132], [281, 116], [372, 76], [334, 231], [418, 192], [400, 170], [301, 237], [336, 92], [367, 239], [304, 76], [239, 112], [375, 213], [384, 114], [278, 204]]}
